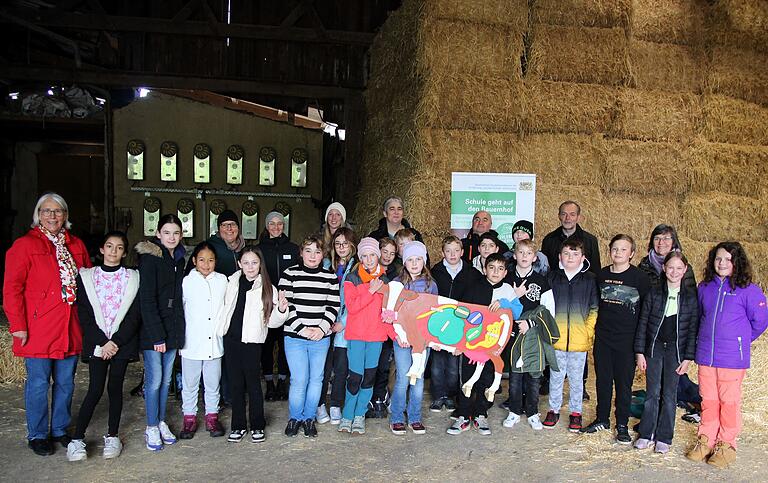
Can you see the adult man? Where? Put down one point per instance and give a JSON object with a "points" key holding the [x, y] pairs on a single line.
{"points": [[481, 223], [569, 214], [227, 242]]}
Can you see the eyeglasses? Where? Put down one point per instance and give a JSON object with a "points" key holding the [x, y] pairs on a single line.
{"points": [[659, 238], [229, 224], [49, 212], [341, 244]]}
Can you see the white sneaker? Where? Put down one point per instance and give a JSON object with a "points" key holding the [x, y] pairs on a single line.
{"points": [[76, 450], [166, 434], [335, 415], [112, 447], [322, 415], [511, 420], [535, 422], [152, 436]]}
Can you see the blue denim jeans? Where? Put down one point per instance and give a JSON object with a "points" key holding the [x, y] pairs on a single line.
{"points": [[444, 374], [401, 390], [39, 373], [158, 367], [306, 360]]}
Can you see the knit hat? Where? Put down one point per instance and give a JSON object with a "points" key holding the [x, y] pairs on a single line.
{"points": [[525, 226], [368, 245], [414, 249], [336, 206], [489, 235], [227, 215], [272, 215]]}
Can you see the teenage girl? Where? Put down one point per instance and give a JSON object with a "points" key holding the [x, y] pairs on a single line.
{"points": [[203, 290], [161, 266], [108, 307], [251, 307]]}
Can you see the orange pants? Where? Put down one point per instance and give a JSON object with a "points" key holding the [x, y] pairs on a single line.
{"points": [[720, 391]]}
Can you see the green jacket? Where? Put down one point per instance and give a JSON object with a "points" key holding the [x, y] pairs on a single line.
{"points": [[533, 351]]}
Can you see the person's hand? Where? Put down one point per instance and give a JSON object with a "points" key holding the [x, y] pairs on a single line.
{"points": [[375, 285], [402, 344], [312, 333], [641, 364], [523, 325], [495, 306], [388, 316], [160, 347], [520, 290], [683, 367], [337, 327], [22, 335], [109, 350], [282, 301]]}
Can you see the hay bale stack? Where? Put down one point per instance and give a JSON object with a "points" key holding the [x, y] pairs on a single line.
{"points": [[747, 22], [507, 12], [579, 54], [12, 370], [728, 120], [583, 13], [657, 116], [740, 73], [754, 396], [716, 216], [645, 168], [564, 107], [550, 196], [758, 257], [669, 21], [666, 67], [634, 214], [730, 168]]}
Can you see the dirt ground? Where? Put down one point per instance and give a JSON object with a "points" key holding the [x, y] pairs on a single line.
{"points": [[506, 455]]}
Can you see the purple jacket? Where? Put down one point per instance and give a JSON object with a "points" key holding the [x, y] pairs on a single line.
{"points": [[731, 318]]}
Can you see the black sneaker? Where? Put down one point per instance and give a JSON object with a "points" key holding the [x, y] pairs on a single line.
{"points": [[505, 405], [450, 404], [41, 447], [595, 426], [257, 436], [310, 430], [236, 435], [293, 427], [622, 434], [64, 440], [436, 406]]}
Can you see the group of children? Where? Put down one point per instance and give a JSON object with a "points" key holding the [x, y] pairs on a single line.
{"points": [[330, 309]]}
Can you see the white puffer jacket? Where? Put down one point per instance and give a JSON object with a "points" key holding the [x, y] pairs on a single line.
{"points": [[203, 298]]}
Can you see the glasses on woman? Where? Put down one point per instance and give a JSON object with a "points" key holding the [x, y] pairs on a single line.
{"points": [[49, 212], [341, 244], [660, 238]]}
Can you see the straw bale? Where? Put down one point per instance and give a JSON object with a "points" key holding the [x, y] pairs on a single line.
{"points": [[564, 107], [728, 120], [458, 47], [696, 252], [471, 102], [549, 196], [758, 257], [579, 54], [552, 157], [583, 13], [754, 397], [507, 12], [740, 73], [665, 67], [645, 167], [734, 169], [634, 214], [657, 116], [717, 216], [749, 17], [669, 21], [12, 370]]}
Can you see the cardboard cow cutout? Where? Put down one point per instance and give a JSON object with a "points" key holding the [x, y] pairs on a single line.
{"points": [[425, 320]]}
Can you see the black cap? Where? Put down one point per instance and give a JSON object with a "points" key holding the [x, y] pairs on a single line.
{"points": [[228, 215]]}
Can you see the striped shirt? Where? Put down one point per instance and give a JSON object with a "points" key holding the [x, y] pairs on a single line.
{"points": [[313, 299]]}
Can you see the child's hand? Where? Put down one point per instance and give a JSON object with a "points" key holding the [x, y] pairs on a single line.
{"points": [[683, 367], [109, 350], [337, 327], [312, 333], [523, 325], [160, 347], [282, 301], [402, 344], [388, 316], [495, 306], [520, 290], [375, 285], [641, 364]]}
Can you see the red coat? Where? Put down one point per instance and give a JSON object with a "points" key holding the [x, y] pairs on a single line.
{"points": [[32, 297], [364, 314]]}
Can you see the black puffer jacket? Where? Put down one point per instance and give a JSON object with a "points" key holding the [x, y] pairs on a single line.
{"points": [[658, 279], [471, 243], [162, 310], [279, 254], [652, 315]]}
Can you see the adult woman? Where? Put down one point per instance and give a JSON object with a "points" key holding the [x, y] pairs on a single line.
{"points": [[663, 240], [279, 253], [161, 270], [39, 293], [733, 315], [335, 218], [393, 220]]}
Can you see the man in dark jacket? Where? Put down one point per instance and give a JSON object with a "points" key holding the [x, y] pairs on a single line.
{"points": [[569, 215], [227, 243], [481, 223]]}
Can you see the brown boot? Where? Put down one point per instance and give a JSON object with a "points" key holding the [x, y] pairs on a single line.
{"points": [[701, 451], [724, 455]]}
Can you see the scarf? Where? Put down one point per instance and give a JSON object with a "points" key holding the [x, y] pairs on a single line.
{"points": [[67, 267], [657, 261], [367, 277]]}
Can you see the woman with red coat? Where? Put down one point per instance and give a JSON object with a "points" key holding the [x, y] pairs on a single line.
{"points": [[39, 294]]}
